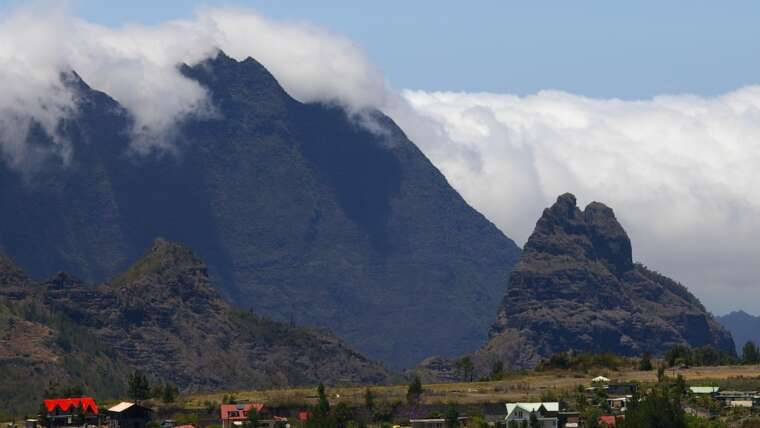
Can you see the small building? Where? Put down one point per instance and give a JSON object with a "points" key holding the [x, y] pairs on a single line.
{"points": [[621, 389], [546, 413], [67, 412], [618, 403], [600, 379], [607, 421], [236, 415], [704, 390], [743, 398], [129, 415], [569, 419], [436, 422]]}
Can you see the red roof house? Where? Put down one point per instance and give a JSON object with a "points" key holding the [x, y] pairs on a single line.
{"points": [[236, 414], [607, 421], [70, 405], [70, 411]]}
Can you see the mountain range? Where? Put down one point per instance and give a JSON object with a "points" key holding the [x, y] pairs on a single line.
{"points": [[576, 288], [743, 327], [163, 317], [303, 212]]}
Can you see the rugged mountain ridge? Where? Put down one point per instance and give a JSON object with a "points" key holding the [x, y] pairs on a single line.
{"points": [[576, 287], [743, 327], [161, 316], [300, 212]]}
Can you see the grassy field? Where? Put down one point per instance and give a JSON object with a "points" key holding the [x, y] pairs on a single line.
{"points": [[515, 387]]}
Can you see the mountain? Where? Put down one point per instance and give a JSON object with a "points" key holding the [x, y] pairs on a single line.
{"points": [[576, 287], [301, 212], [743, 327], [161, 316]]}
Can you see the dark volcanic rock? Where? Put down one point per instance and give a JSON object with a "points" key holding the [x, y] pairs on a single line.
{"points": [[300, 213], [576, 288], [161, 316]]}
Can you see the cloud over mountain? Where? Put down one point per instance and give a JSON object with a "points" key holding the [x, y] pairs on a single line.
{"points": [[682, 170], [138, 65]]}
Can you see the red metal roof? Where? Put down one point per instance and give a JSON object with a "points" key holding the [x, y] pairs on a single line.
{"points": [[227, 408], [71, 404], [608, 420]]}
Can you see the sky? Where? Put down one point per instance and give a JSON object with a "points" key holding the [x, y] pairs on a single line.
{"points": [[593, 48], [651, 108]]}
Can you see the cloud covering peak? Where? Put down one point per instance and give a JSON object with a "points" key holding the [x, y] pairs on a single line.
{"points": [[138, 66]]}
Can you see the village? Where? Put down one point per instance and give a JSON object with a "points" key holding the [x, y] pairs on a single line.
{"points": [[601, 402]]}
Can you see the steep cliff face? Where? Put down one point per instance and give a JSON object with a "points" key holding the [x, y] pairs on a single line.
{"points": [[576, 288], [301, 213], [164, 317]]}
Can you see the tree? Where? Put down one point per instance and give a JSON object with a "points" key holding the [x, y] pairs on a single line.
{"points": [[591, 417], [369, 399], [660, 407], [513, 424], [750, 353], [466, 368], [497, 370], [343, 414], [660, 373], [321, 416], [323, 404], [170, 393], [414, 391], [533, 421], [452, 416], [138, 386], [253, 418], [645, 364]]}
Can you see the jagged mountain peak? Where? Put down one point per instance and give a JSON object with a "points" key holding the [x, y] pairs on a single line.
{"points": [[593, 233], [577, 288]]}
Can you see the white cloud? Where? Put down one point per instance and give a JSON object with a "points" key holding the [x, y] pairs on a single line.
{"points": [[137, 65], [680, 171]]}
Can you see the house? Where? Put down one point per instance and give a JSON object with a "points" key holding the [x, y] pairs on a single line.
{"points": [[569, 419], [546, 413], [741, 398], [236, 415], [129, 415], [617, 403], [607, 420], [621, 389], [74, 411], [600, 379], [704, 390]]}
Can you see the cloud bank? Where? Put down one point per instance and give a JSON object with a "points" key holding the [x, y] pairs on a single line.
{"points": [[137, 65], [680, 171]]}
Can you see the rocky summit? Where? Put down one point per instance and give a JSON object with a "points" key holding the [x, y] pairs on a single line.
{"points": [[301, 211], [161, 316], [576, 288]]}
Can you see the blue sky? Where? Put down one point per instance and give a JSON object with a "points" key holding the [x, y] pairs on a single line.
{"points": [[595, 48]]}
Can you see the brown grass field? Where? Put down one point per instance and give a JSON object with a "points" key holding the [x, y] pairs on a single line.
{"points": [[515, 387]]}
